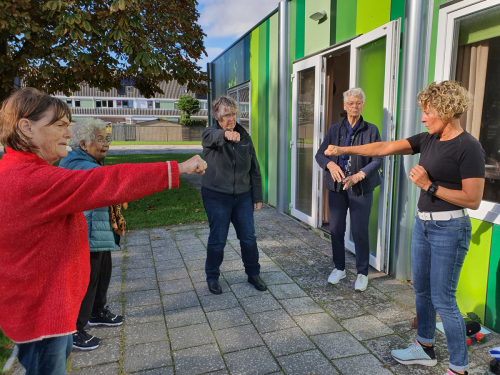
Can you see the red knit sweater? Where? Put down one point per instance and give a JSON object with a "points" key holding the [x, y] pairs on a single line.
{"points": [[44, 250]]}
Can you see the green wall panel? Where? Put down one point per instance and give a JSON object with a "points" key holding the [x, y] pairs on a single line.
{"points": [[397, 10], [372, 14], [272, 159], [471, 291], [300, 29], [87, 103], [492, 313], [263, 102], [316, 34], [292, 56], [167, 105], [333, 22], [254, 79], [346, 19], [432, 54]]}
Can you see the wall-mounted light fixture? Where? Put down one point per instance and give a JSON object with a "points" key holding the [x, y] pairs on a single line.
{"points": [[318, 15]]}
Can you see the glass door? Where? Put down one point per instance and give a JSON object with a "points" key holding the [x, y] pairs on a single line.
{"points": [[304, 143], [374, 68]]}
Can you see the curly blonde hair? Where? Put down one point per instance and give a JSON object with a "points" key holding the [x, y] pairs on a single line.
{"points": [[224, 102], [448, 99]]}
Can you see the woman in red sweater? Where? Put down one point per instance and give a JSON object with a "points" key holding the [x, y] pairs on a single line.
{"points": [[44, 248]]}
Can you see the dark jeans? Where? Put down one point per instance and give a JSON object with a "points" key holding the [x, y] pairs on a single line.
{"points": [[359, 208], [223, 209], [47, 356], [95, 298]]}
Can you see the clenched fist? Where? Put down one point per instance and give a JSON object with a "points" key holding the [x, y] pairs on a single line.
{"points": [[193, 165], [333, 151], [232, 136]]}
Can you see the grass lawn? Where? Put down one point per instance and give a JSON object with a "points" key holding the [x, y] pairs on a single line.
{"points": [[166, 208], [6, 347], [134, 143]]}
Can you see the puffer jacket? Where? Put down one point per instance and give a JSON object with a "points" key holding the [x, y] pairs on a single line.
{"points": [[101, 237]]}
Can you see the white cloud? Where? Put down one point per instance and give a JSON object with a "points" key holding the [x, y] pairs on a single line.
{"points": [[233, 18]]}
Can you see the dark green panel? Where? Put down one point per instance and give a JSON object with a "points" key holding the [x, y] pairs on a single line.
{"points": [[346, 19], [246, 57], [333, 22], [492, 316], [300, 29], [397, 10]]}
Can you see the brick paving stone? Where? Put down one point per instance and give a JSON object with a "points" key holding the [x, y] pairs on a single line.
{"points": [[315, 324], [245, 290], [390, 312], [184, 317], [260, 303], [169, 264], [180, 300], [405, 298], [138, 263], [176, 286], [306, 363], [310, 281], [297, 269], [388, 284], [140, 284], [235, 277], [107, 369], [163, 244], [400, 369], [366, 327], [141, 298], [370, 296], [237, 338], [171, 274], [276, 251], [133, 255], [344, 309], [185, 236], [215, 302], [114, 294], [167, 255], [192, 248], [301, 306], [109, 351], [231, 265], [104, 332], [287, 341], [136, 240], [382, 347], [193, 265], [269, 267], [273, 320], [339, 344], [202, 287], [227, 318], [198, 275], [198, 360], [194, 255], [138, 273], [253, 361], [285, 260], [143, 314], [347, 284], [233, 255], [190, 336], [361, 365], [142, 333], [272, 278], [401, 327], [146, 356], [283, 291], [157, 371], [327, 293]]}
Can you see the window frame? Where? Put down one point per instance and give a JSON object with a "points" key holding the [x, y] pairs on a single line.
{"points": [[237, 89], [446, 57]]}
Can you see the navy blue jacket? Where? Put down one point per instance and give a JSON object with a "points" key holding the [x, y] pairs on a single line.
{"points": [[366, 133]]}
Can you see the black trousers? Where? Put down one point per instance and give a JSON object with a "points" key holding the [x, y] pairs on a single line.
{"points": [[95, 298], [359, 207]]}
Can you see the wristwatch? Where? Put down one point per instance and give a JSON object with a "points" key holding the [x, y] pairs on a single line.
{"points": [[432, 189]]}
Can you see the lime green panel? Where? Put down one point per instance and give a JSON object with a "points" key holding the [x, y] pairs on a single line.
{"points": [[432, 54], [263, 104], [480, 26], [492, 318], [471, 291], [370, 77], [372, 14], [86, 103], [254, 82], [272, 159], [346, 19], [167, 105], [317, 34], [300, 29]]}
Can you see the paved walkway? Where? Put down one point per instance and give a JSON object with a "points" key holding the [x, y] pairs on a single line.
{"points": [[302, 325]]}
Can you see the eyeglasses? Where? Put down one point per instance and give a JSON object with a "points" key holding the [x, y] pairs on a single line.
{"points": [[228, 115], [103, 141], [352, 104]]}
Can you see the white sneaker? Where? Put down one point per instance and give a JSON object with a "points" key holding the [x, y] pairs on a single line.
{"points": [[361, 283], [336, 276]]}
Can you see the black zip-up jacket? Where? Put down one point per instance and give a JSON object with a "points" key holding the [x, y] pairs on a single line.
{"points": [[366, 133], [232, 167]]}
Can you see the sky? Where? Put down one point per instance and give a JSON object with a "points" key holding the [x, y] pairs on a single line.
{"points": [[225, 21]]}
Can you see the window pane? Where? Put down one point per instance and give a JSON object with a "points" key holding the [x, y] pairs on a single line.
{"points": [[110, 103], [77, 103], [157, 104], [98, 104]]}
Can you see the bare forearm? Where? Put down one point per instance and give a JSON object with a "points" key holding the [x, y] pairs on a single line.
{"points": [[459, 197], [376, 149]]}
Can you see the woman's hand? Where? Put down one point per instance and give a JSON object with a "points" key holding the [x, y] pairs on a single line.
{"points": [[232, 136], [335, 171], [193, 165], [333, 151], [419, 176], [352, 180], [257, 206]]}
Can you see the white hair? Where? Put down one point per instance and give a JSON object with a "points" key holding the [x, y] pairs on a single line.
{"points": [[84, 131], [355, 91]]}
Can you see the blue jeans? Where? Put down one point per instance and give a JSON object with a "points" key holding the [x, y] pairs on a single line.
{"points": [[223, 209], [438, 250], [47, 356]]}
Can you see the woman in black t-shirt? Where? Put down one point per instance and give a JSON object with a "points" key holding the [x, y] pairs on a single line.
{"points": [[450, 174]]}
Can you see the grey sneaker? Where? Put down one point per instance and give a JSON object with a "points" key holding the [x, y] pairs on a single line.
{"points": [[413, 355]]}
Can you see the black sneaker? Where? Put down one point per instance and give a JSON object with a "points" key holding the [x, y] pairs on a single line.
{"points": [[84, 341], [106, 318]]}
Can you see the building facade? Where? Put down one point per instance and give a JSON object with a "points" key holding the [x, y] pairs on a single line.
{"points": [[297, 62], [128, 105]]}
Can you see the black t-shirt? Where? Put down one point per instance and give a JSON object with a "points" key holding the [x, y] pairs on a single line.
{"points": [[447, 163]]}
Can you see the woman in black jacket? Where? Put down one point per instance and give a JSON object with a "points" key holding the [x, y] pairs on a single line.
{"points": [[231, 191], [350, 181]]}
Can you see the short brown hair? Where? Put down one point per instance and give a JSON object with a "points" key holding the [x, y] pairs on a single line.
{"points": [[447, 98], [31, 104]]}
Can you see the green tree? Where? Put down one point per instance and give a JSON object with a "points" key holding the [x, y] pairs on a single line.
{"points": [[189, 106], [56, 44]]}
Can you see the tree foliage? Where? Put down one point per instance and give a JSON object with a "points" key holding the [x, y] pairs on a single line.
{"points": [[188, 105], [56, 44]]}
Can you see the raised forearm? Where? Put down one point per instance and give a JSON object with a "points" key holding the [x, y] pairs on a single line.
{"points": [[460, 198], [376, 149]]}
